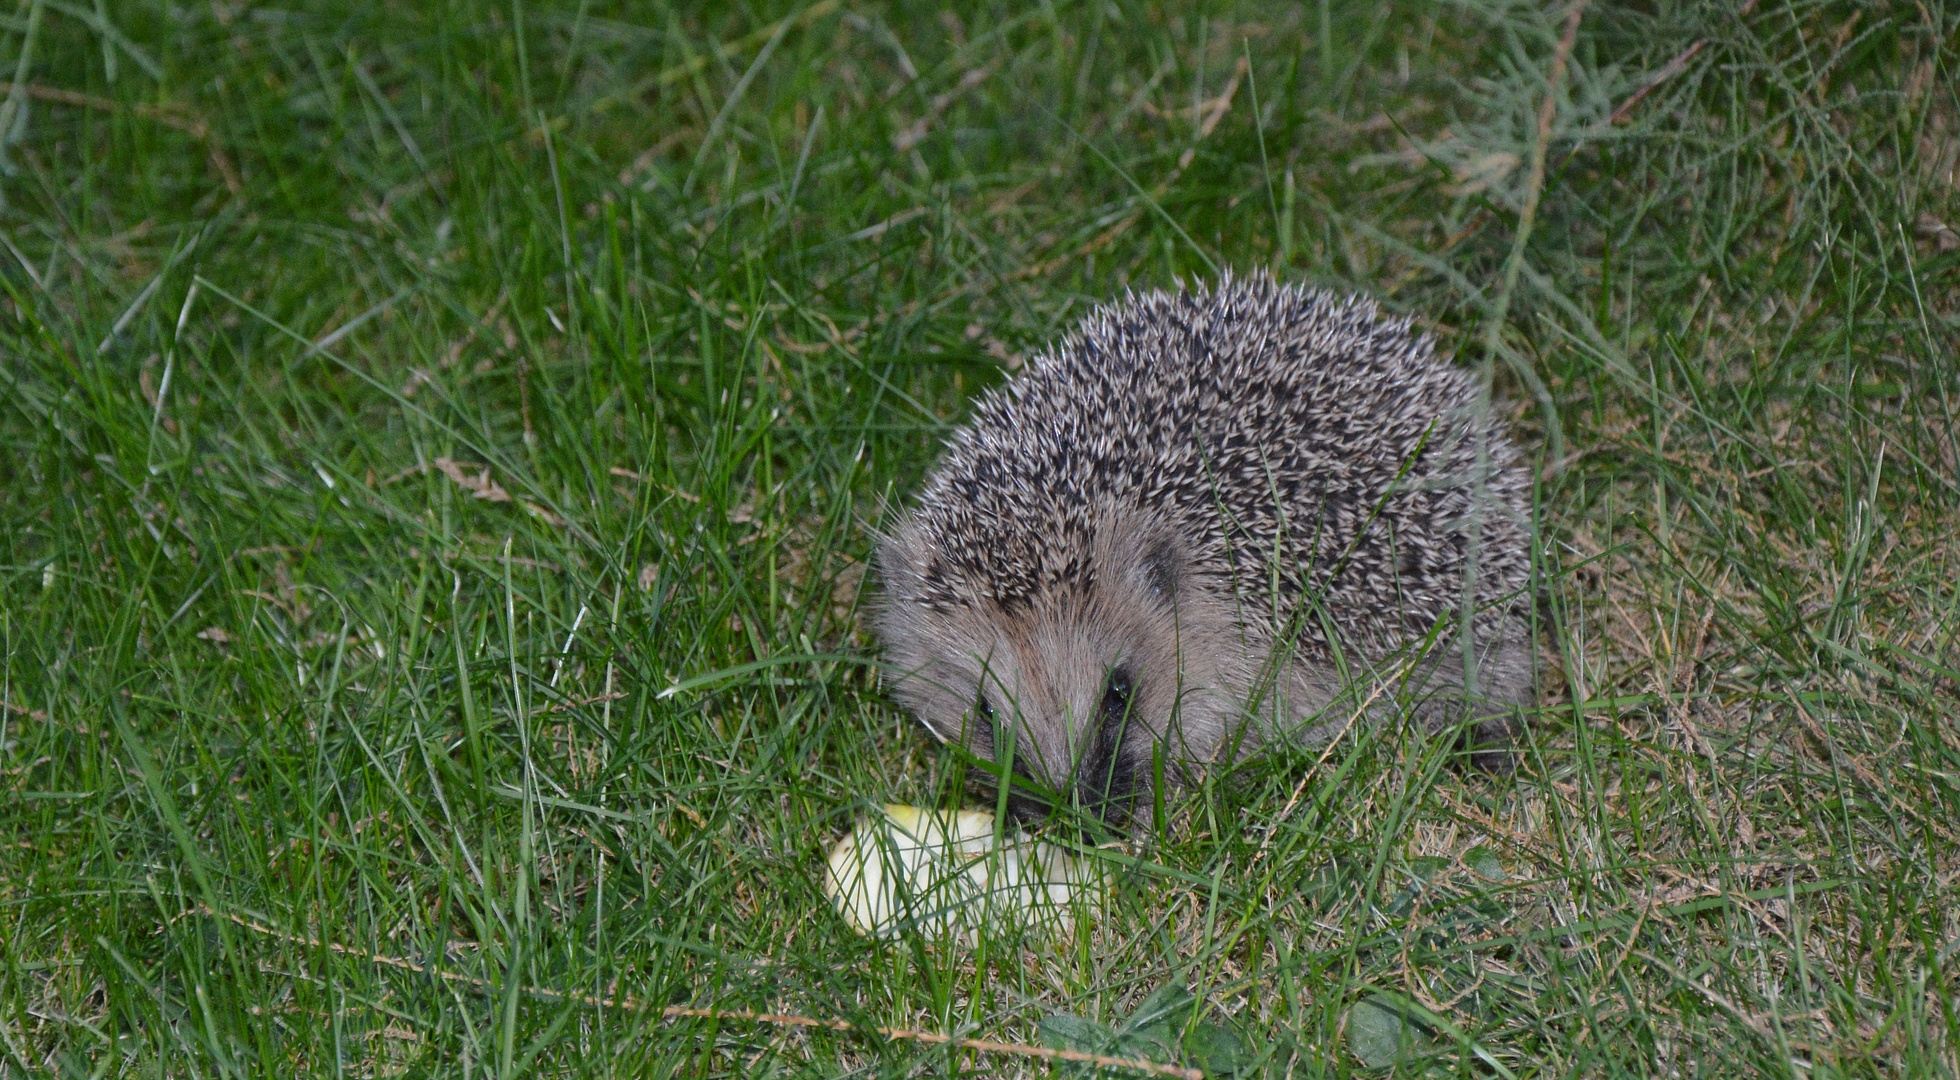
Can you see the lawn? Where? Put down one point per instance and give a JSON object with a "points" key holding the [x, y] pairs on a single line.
{"points": [[399, 401]]}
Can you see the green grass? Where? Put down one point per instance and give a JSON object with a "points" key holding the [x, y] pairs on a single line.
{"points": [[396, 398]]}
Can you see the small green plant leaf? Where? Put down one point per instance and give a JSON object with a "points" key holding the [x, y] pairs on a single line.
{"points": [[1168, 1005], [1426, 867], [1381, 1032], [1217, 1050], [1162, 1028], [1064, 1031], [1484, 863]]}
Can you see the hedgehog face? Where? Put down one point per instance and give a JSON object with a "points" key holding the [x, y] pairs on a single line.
{"points": [[1077, 689]]}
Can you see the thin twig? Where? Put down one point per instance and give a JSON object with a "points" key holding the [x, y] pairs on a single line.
{"points": [[1674, 67], [1534, 189], [1620, 113], [1533, 192], [673, 1012]]}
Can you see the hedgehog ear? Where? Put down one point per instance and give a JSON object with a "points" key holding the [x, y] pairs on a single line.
{"points": [[1160, 564]]}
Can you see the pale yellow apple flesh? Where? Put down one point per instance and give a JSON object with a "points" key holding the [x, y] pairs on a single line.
{"points": [[937, 870]]}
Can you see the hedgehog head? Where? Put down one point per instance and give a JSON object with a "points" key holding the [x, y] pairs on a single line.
{"points": [[1071, 686]]}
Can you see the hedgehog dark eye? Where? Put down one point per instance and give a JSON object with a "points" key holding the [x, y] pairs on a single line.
{"points": [[983, 709], [1116, 697], [1157, 575]]}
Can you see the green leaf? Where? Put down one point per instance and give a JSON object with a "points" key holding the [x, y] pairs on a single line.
{"points": [[1217, 1050], [1381, 1032], [1484, 862], [1426, 867], [1157, 1031], [1063, 1031], [1169, 1004], [1158, 1042], [1152, 1031]]}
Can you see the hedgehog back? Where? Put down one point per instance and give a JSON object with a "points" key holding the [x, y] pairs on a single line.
{"points": [[1304, 447]]}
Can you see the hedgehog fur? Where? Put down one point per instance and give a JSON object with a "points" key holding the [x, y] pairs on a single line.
{"points": [[1205, 520]]}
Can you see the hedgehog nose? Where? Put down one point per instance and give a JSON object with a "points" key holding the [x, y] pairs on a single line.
{"points": [[1084, 821], [1089, 807], [1095, 802], [1103, 784]]}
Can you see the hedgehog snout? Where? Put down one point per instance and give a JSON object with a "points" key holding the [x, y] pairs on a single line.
{"points": [[1091, 777]]}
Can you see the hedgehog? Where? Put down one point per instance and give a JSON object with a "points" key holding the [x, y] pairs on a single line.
{"points": [[1205, 521]]}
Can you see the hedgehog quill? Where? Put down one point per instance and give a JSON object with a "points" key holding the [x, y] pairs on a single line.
{"points": [[1206, 520]]}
